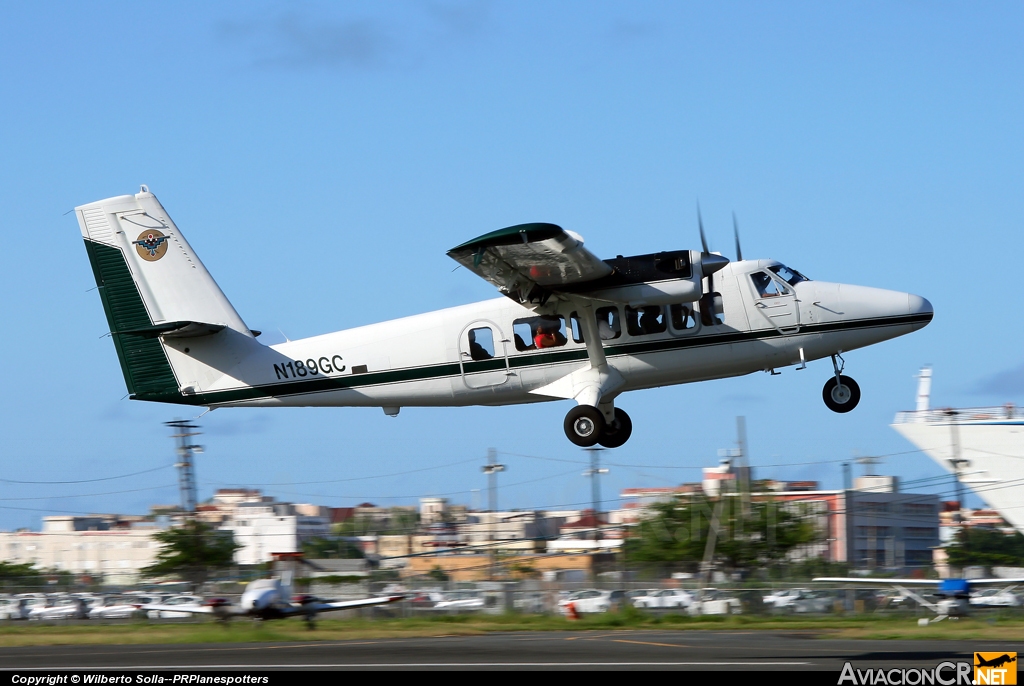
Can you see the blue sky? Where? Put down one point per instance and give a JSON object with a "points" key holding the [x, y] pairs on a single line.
{"points": [[322, 157]]}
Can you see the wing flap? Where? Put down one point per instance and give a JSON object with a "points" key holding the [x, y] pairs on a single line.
{"points": [[528, 261]]}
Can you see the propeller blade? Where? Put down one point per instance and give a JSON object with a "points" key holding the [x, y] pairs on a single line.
{"points": [[736, 233], [700, 225]]}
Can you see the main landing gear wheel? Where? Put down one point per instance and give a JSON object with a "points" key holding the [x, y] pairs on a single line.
{"points": [[618, 432], [842, 394], [584, 425]]}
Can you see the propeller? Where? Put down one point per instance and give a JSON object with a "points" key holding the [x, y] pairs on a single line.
{"points": [[709, 264], [736, 234], [700, 225]]}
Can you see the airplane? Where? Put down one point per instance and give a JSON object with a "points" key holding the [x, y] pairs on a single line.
{"points": [[265, 599], [994, 662], [954, 594], [569, 326]]}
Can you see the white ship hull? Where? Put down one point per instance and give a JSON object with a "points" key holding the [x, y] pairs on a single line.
{"points": [[991, 450]]}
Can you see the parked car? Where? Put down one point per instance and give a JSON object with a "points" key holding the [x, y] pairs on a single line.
{"points": [[592, 600], [67, 607], [460, 600], [783, 598], [176, 600], [14, 608], [995, 597], [666, 598], [113, 607], [812, 602], [715, 602]]}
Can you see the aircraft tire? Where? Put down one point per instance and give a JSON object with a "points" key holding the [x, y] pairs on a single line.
{"points": [[584, 425], [616, 434], [841, 396]]}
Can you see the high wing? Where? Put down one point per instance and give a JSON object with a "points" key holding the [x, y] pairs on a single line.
{"points": [[195, 609], [319, 606], [879, 582], [919, 582], [530, 263], [527, 261]]}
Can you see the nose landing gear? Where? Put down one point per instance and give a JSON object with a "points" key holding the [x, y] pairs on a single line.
{"points": [[586, 427], [841, 393]]}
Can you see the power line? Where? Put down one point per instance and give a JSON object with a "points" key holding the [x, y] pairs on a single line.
{"points": [[86, 481]]}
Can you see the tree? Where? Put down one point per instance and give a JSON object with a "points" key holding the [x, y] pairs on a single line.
{"points": [[15, 575], [987, 547], [331, 548], [192, 552], [676, 534]]}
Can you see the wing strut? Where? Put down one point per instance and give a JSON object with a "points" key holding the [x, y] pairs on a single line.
{"points": [[595, 384]]}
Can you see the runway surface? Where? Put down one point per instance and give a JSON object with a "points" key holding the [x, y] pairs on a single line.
{"points": [[626, 650]]}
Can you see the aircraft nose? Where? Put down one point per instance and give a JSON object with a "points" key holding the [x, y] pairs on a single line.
{"points": [[916, 305]]}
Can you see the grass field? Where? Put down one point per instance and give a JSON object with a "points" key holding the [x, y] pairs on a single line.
{"points": [[247, 631]]}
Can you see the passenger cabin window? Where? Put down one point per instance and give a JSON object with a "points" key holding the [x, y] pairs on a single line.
{"points": [[790, 276], [682, 317], [481, 343], [766, 286], [545, 331], [645, 320], [576, 327], [712, 309], [608, 325]]}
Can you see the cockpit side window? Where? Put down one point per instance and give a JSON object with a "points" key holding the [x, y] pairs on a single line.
{"points": [[766, 286], [790, 276]]}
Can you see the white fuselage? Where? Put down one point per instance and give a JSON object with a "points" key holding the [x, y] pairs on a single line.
{"points": [[426, 360]]}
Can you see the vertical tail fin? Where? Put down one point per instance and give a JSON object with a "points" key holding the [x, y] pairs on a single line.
{"points": [[155, 290]]}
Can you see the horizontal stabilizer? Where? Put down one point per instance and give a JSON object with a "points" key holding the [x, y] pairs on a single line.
{"points": [[176, 330]]}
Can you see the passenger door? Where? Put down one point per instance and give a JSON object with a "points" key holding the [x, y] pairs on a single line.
{"points": [[483, 355]]}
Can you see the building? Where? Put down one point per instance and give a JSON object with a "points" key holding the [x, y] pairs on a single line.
{"points": [[871, 526], [263, 529], [107, 548]]}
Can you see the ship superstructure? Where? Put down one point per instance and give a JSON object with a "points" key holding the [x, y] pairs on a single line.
{"points": [[984, 446]]}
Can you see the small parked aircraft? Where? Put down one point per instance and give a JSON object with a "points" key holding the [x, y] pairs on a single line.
{"points": [[571, 326], [953, 595], [269, 599]]}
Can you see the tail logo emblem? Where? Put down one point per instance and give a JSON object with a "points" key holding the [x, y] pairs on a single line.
{"points": [[152, 245]]}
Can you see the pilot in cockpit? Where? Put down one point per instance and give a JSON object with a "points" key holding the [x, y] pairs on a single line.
{"points": [[766, 288]]}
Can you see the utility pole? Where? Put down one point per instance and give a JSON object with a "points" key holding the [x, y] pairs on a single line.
{"points": [[491, 469], [958, 463], [744, 465], [594, 473], [186, 471], [869, 463]]}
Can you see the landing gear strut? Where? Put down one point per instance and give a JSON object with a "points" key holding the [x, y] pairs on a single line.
{"points": [[586, 427], [841, 393]]}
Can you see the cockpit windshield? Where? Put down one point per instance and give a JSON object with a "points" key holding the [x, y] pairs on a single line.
{"points": [[790, 276]]}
